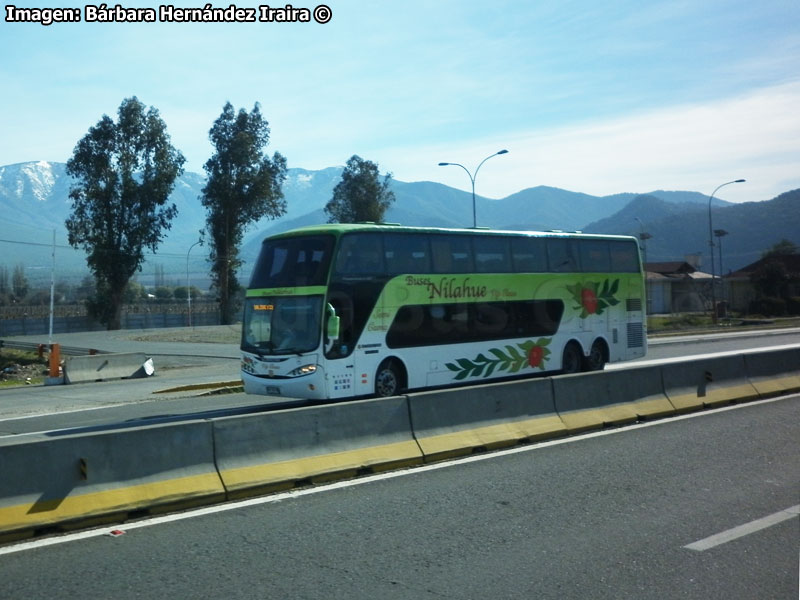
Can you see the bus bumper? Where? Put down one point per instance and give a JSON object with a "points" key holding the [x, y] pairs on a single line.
{"points": [[311, 386]]}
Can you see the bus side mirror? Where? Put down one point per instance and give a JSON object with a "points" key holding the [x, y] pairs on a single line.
{"points": [[333, 325]]}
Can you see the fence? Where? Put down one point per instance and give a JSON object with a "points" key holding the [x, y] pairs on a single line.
{"points": [[73, 318]]}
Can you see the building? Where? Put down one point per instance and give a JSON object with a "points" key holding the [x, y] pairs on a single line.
{"points": [[674, 287]]}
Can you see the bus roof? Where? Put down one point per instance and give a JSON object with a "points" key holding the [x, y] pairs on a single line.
{"points": [[338, 229]]}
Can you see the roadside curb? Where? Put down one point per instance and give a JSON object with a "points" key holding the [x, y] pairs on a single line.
{"points": [[210, 385]]}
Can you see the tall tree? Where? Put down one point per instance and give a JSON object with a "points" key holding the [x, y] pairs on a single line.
{"points": [[124, 173], [782, 248], [243, 186], [360, 195], [4, 286], [19, 283]]}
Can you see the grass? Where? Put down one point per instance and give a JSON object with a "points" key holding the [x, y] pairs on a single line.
{"points": [[697, 322]]}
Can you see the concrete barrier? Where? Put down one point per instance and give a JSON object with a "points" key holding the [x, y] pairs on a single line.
{"points": [[100, 367], [75, 479], [459, 421], [774, 372], [592, 400], [79, 479], [695, 384], [283, 449]]}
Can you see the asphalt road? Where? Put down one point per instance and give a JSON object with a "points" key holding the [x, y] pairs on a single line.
{"points": [[135, 401], [605, 516]]}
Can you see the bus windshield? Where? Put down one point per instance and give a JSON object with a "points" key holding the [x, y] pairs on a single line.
{"points": [[282, 324], [293, 262]]}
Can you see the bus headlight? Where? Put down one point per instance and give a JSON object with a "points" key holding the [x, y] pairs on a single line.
{"points": [[304, 370]]}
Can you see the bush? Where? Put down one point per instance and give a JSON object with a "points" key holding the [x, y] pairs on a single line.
{"points": [[163, 293], [768, 307], [793, 306]]}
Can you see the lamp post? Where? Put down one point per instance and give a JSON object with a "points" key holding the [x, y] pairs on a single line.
{"points": [[472, 177], [711, 244], [188, 287], [719, 234], [644, 236]]}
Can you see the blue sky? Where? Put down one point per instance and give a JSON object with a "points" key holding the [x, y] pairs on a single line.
{"points": [[594, 97]]}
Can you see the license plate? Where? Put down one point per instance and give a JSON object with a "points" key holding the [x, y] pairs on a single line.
{"points": [[273, 390]]}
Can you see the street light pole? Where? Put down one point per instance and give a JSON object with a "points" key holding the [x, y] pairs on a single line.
{"points": [[719, 234], [711, 245], [188, 287], [472, 177], [644, 236]]}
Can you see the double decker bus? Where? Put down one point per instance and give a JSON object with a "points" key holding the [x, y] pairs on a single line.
{"points": [[336, 311]]}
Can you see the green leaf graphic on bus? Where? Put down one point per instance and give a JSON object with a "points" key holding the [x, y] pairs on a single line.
{"points": [[528, 354], [592, 298]]}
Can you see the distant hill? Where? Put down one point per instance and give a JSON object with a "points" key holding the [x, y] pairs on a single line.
{"points": [[680, 229], [34, 202]]}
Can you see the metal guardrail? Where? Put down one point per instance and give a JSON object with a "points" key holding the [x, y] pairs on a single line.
{"points": [[34, 346]]}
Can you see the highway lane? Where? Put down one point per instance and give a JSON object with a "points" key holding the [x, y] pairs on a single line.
{"points": [[696, 344], [130, 402], [604, 516]]}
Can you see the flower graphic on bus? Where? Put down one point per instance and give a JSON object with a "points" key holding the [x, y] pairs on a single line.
{"points": [[511, 359], [592, 298]]}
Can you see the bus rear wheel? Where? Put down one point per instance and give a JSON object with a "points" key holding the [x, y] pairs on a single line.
{"points": [[388, 379], [596, 361]]}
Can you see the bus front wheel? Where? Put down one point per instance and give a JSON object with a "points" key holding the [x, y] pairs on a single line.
{"points": [[388, 379]]}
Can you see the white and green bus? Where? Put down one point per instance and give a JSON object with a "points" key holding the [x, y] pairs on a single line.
{"points": [[336, 311]]}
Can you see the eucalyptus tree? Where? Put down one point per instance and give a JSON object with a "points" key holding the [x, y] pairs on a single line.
{"points": [[361, 195], [123, 173], [243, 186]]}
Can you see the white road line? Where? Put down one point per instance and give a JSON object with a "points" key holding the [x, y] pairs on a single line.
{"points": [[706, 337], [746, 529], [632, 364]]}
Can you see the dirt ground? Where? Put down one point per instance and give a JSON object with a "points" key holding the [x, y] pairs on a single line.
{"points": [[215, 334]]}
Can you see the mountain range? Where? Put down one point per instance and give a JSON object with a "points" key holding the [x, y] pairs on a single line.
{"points": [[34, 203]]}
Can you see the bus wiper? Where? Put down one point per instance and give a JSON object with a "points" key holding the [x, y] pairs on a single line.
{"points": [[291, 350], [264, 348]]}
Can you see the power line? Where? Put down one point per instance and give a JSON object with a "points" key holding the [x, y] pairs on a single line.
{"points": [[63, 247]]}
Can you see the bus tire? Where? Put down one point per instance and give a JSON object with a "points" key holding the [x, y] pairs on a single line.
{"points": [[388, 379], [572, 359], [596, 361]]}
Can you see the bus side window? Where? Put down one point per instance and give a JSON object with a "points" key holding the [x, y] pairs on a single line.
{"points": [[594, 256], [492, 254], [624, 257], [561, 255], [452, 254], [360, 254], [407, 253], [529, 255]]}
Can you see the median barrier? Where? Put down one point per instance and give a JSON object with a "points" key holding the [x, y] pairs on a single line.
{"points": [[100, 367], [696, 384], [460, 421], [774, 372], [592, 400], [284, 449], [79, 479]]}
